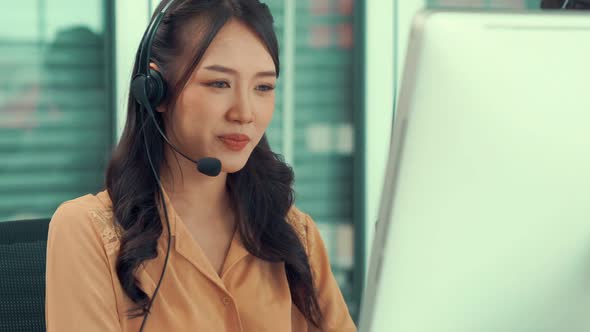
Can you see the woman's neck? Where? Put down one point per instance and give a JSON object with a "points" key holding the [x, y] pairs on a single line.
{"points": [[196, 197]]}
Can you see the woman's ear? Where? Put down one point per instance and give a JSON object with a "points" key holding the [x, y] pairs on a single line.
{"points": [[162, 108]]}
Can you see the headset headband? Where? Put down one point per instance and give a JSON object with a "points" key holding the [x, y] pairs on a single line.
{"points": [[145, 48]]}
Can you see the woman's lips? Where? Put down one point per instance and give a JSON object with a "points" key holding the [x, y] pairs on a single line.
{"points": [[235, 142]]}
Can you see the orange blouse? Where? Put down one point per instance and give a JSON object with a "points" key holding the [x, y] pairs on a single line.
{"points": [[83, 292]]}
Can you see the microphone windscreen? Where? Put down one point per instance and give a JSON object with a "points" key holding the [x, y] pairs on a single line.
{"points": [[209, 166]]}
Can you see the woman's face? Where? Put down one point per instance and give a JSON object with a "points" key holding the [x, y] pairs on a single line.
{"points": [[228, 102]]}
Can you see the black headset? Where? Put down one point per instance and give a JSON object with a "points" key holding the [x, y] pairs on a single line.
{"points": [[148, 88]]}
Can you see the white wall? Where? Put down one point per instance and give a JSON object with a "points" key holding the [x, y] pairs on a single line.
{"points": [[387, 29]]}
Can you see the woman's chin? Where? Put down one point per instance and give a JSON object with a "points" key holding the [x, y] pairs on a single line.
{"points": [[232, 165]]}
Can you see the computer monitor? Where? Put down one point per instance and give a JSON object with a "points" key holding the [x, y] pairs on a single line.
{"points": [[484, 220]]}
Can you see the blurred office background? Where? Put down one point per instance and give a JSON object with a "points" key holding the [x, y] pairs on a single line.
{"points": [[65, 69]]}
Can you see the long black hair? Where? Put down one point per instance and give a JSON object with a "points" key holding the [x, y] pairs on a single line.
{"points": [[261, 192]]}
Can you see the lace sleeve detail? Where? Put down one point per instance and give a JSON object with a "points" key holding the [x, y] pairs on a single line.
{"points": [[110, 234], [298, 221]]}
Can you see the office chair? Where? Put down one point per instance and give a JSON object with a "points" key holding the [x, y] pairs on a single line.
{"points": [[23, 247]]}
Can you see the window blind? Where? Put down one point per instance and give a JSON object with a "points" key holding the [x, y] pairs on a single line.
{"points": [[322, 123], [55, 116]]}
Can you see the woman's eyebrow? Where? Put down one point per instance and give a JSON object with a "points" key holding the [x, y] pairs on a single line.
{"points": [[227, 70]]}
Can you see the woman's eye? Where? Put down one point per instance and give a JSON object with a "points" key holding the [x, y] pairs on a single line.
{"points": [[218, 84], [265, 87]]}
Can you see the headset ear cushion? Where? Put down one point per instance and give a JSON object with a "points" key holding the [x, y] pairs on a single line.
{"points": [[156, 88]]}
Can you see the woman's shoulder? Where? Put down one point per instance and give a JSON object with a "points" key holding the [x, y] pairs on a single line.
{"points": [[90, 215], [83, 208], [297, 218], [302, 223]]}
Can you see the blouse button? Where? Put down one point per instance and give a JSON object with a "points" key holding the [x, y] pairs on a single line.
{"points": [[226, 300]]}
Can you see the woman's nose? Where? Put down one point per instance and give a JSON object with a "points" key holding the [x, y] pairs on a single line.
{"points": [[242, 110]]}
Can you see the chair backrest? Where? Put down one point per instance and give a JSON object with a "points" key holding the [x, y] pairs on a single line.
{"points": [[23, 247]]}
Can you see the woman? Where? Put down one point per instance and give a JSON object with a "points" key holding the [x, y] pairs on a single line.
{"points": [[240, 256]]}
